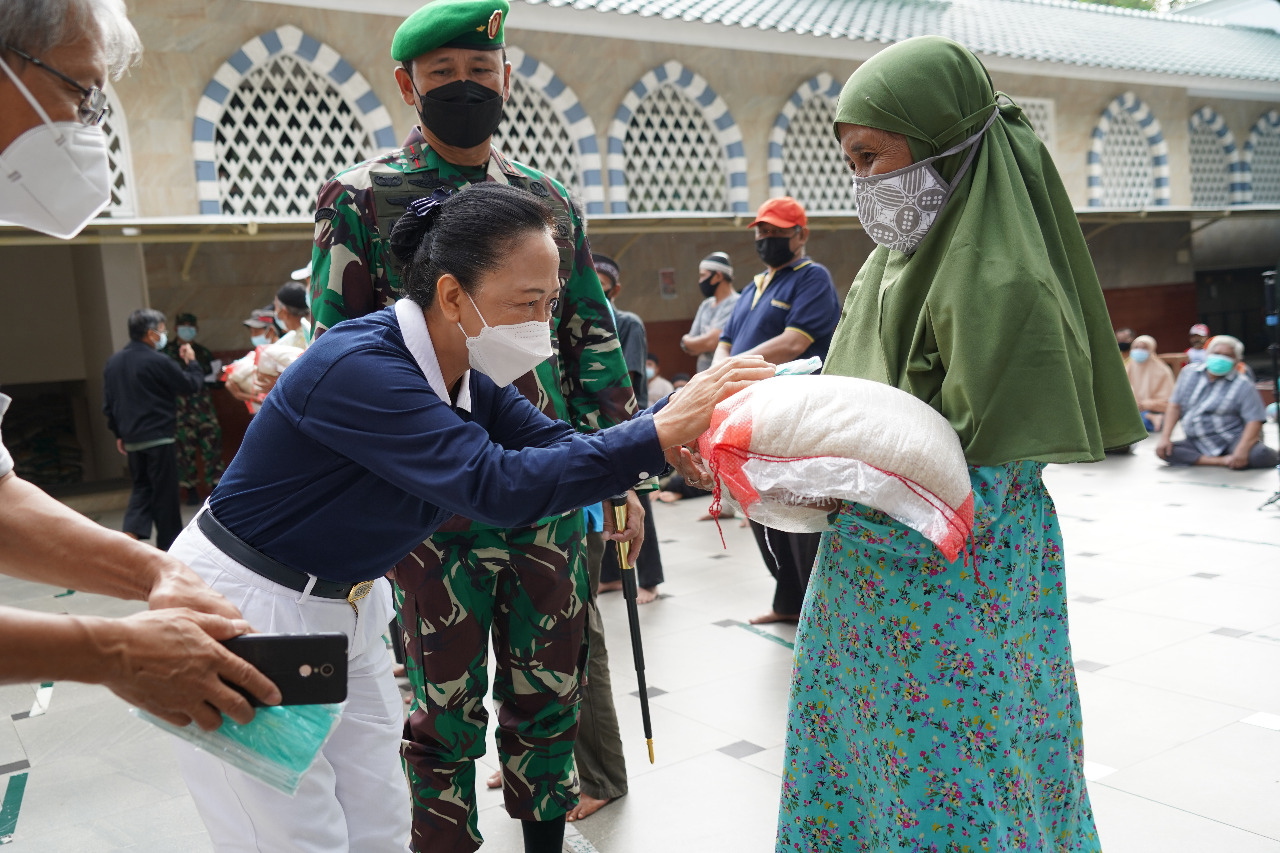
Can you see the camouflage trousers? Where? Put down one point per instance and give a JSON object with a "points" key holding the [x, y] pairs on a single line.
{"points": [[529, 586], [198, 434]]}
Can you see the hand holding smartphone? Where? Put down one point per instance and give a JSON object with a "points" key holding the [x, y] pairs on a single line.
{"points": [[309, 669]]}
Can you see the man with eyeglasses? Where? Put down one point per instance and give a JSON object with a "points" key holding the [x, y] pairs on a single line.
{"points": [[55, 55], [789, 311]]}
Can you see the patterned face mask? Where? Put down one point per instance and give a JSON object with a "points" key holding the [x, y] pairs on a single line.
{"points": [[898, 208]]}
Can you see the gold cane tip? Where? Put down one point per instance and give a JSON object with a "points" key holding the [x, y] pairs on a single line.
{"points": [[649, 741]]}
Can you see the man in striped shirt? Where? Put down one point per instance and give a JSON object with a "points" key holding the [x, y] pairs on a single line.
{"points": [[1221, 413]]}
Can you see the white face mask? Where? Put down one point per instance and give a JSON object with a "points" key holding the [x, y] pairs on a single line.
{"points": [[55, 177], [898, 208], [164, 339], [504, 353]]}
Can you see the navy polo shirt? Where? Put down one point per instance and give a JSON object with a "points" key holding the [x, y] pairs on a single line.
{"points": [[799, 296], [358, 454]]}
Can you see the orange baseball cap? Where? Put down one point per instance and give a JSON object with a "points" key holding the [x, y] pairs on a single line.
{"points": [[784, 212]]}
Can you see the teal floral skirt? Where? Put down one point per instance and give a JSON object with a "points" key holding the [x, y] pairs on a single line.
{"points": [[933, 704]]}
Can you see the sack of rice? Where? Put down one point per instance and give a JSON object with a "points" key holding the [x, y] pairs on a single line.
{"points": [[787, 443], [274, 358]]}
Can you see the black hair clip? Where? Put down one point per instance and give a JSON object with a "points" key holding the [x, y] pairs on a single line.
{"points": [[411, 229], [429, 207]]}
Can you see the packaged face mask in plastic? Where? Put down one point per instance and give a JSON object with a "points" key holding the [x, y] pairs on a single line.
{"points": [[277, 747], [800, 367]]}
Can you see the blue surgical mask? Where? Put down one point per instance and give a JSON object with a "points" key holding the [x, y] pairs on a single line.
{"points": [[187, 333], [649, 373], [164, 339], [1139, 355], [1219, 365], [260, 340]]}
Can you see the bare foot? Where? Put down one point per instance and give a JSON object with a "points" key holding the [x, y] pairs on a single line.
{"points": [[397, 670], [772, 617], [645, 595], [669, 498], [586, 807], [611, 586], [494, 781]]}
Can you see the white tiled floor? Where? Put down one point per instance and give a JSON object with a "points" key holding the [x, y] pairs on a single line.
{"points": [[1179, 677]]}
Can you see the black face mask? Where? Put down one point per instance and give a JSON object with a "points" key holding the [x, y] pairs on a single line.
{"points": [[774, 251], [1124, 346], [708, 289], [462, 113]]}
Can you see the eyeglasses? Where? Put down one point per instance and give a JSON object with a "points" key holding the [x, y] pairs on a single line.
{"points": [[93, 109]]}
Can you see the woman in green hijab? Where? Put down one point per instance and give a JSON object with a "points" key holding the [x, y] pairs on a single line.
{"points": [[934, 704]]}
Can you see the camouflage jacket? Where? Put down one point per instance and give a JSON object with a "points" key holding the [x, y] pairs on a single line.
{"points": [[584, 383]]}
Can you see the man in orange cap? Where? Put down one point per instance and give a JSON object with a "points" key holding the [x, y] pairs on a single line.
{"points": [[787, 312]]}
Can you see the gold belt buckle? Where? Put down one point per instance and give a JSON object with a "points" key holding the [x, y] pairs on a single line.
{"points": [[359, 591]]}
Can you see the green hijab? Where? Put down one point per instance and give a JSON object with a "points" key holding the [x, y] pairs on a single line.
{"points": [[997, 320]]}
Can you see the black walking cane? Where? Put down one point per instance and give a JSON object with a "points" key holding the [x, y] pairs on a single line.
{"points": [[629, 585]]}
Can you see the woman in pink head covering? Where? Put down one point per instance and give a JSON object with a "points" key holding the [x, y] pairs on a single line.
{"points": [[1151, 380]]}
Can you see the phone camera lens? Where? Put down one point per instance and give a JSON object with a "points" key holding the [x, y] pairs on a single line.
{"points": [[326, 669]]}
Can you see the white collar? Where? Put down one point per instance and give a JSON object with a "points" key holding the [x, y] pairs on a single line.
{"points": [[413, 325]]}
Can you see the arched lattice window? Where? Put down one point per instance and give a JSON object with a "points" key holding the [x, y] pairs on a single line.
{"points": [[284, 131], [673, 146], [119, 160], [1129, 159], [545, 126], [804, 157], [280, 117], [1039, 111], [1262, 153], [533, 133], [1217, 177], [673, 159]]}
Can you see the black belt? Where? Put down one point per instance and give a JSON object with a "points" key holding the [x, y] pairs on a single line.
{"points": [[273, 570]]}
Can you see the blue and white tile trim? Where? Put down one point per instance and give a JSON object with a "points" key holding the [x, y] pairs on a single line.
{"points": [[1130, 103], [1268, 124], [321, 58], [1237, 168], [823, 85], [713, 108], [581, 129]]}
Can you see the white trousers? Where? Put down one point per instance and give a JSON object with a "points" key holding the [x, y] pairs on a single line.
{"points": [[354, 799]]}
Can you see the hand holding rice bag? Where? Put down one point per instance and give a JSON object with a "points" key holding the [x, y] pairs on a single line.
{"points": [[785, 445]]}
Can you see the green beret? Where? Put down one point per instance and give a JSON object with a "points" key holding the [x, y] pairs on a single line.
{"points": [[473, 24]]}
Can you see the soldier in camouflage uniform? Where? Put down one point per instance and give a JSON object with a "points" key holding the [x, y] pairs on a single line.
{"points": [[199, 433], [527, 586]]}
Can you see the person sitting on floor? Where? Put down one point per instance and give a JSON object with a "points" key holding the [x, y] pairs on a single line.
{"points": [[1151, 380], [659, 385], [1196, 337], [1221, 413]]}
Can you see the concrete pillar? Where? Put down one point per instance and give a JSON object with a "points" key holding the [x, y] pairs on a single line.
{"points": [[111, 283]]}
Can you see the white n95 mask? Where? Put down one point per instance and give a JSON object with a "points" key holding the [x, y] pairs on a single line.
{"points": [[898, 208], [505, 353], [55, 177]]}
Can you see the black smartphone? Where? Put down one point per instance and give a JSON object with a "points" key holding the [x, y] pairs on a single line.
{"points": [[309, 669]]}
